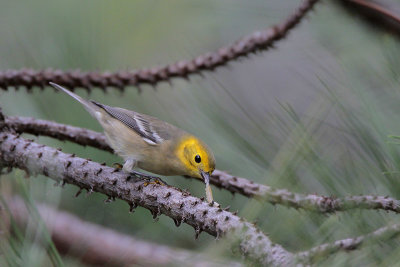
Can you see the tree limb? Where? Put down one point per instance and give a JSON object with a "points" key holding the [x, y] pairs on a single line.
{"points": [[312, 202], [373, 12], [180, 206], [40, 159], [59, 131], [315, 203], [97, 245], [257, 41], [349, 244], [376, 8]]}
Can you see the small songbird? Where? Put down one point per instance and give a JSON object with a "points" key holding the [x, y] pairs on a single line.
{"points": [[150, 144]]}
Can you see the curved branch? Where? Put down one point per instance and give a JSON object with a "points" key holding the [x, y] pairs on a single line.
{"points": [[348, 244], [310, 202], [375, 13], [174, 203], [58, 131], [257, 41], [376, 8], [316, 203], [96, 245]]}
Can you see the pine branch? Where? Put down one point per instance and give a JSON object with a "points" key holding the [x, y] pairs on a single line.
{"points": [[172, 202], [97, 245], [257, 41], [349, 244], [40, 159], [376, 8], [315, 203], [312, 202], [59, 131], [375, 13]]}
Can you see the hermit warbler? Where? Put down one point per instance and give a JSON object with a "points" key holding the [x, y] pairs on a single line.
{"points": [[151, 144]]}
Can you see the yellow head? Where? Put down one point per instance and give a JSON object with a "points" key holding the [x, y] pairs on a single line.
{"points": [[196, 157]]}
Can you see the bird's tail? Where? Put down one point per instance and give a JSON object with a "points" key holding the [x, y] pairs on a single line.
{"points": [[89, 106]]}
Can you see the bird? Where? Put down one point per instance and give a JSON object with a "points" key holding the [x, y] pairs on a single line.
{"points": [[151, 144]]}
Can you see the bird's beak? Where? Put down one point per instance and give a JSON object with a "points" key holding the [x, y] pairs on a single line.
{"points": [[206, 179], [205, 176]]}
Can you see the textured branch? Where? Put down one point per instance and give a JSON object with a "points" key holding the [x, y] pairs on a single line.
{"points": [[59, 131], [220, 179], [257, 41], [180, 206], [311, 202], [349, 244], [97, 245]]}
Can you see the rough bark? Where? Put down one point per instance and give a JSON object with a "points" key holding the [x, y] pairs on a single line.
{"points": [[59, 131], [312, 202], [172, 202], [257, 41], [349, 244]]}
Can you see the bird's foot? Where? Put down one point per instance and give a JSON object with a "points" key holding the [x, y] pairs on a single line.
{"points": [[117, 165], [148, 178]]}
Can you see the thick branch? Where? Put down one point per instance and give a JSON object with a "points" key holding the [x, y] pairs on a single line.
{"points": [[178, 205], [349, 244], [97, 245], [257, 41], [220, 179]]}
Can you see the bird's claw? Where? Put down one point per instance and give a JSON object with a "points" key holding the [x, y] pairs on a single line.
{"points": [[148, 178], [117, 165], [156, 181]]}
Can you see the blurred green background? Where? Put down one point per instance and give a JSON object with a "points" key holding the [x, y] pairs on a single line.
{"points": [[312, 115]]}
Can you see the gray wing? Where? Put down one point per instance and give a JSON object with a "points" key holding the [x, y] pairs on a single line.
{"points": [[145, 126]]}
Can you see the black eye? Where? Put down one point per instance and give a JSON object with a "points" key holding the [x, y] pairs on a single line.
{"points": [[197, 159]]}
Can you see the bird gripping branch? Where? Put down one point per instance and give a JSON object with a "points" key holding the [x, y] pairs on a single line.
{"points": [[150, 144]]}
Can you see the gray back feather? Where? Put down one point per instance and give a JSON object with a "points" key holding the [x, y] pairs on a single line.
{"points": [[136, 122]]}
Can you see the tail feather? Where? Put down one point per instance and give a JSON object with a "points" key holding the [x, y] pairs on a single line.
{"points": [[90, 107]]}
